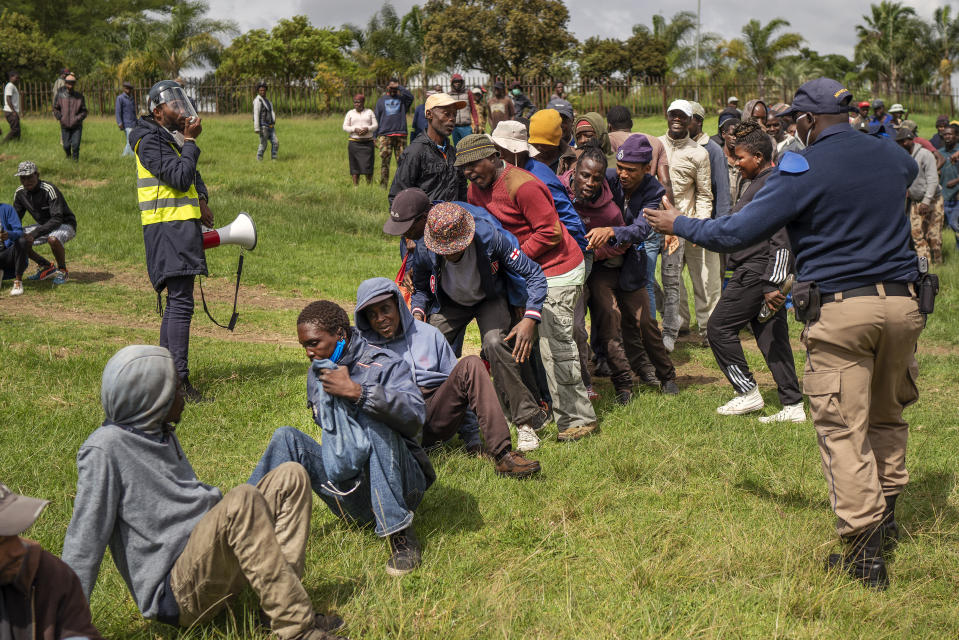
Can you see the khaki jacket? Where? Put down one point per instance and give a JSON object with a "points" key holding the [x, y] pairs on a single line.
{"points": [[690, 174]]}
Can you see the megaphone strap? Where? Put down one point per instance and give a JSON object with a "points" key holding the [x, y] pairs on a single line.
{"points": [[236, 294]]}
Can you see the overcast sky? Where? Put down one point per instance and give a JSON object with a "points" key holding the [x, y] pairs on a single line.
{"points": [[827, 25]]}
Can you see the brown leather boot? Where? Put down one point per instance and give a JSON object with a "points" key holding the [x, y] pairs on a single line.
{"points": [[514, 465]]}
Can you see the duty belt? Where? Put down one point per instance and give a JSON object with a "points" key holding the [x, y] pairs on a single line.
{"points": [[891, 288]]}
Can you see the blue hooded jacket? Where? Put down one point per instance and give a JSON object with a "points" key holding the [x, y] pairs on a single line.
{"points": [[10, 222], [564, 208], [422, 346], [504, 270]]}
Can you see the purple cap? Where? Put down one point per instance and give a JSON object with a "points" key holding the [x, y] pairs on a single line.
{"points": [[635, 148]]}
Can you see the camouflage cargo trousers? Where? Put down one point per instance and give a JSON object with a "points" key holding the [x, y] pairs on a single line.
{"points": [[389, 146], [927, 230]]}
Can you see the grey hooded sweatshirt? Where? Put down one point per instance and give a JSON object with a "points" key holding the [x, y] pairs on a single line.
{"points": [[136, 491]]}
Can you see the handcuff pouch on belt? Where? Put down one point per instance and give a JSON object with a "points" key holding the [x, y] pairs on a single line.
{"points": [[806, 301]]}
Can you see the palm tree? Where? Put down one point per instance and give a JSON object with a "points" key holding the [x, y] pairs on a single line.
{"points": [[946, 29], [184, 39], [884, 41], [757, 51], [679, 36]]}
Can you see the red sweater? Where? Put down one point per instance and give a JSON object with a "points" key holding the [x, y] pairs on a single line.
{"points": [[525, 208]]}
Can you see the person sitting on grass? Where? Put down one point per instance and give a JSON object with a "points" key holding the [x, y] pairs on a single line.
{"points": [[383, 404], [454, 391], [184, 549], [55, 223], [13, 259], [40, 596]]}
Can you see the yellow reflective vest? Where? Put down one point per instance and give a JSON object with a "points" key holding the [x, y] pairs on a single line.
{"points": [[159, 202]]}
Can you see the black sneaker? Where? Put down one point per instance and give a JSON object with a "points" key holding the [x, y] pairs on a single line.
{"points": [[406, 553], [538, 421], [192, 394], [669, 388], [624, 397]]}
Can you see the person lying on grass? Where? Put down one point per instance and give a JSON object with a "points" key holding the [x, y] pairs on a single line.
{"points": [[371, 467], [454, 391], [184, 549]]}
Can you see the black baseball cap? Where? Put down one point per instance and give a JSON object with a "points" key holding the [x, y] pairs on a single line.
{"points": [[408, 205], [822, 95]]}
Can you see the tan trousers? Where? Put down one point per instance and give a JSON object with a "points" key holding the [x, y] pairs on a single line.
{"points": [[256, 536], [707, 279], [860, 374]]}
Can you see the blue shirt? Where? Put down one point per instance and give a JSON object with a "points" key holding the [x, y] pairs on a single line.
{"points": [[948, 172], [10, 222], [126, 111], [567, 213], [841, 200]]}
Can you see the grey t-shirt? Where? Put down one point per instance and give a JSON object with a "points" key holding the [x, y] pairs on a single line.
{"points": [[461, 280]]}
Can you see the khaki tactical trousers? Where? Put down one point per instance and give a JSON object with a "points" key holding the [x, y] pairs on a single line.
{"points": [[256, 536], [860, 374]]}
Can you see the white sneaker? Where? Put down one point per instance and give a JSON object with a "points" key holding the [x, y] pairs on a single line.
{"points": [[748, 402], [789, 413], [526, 439], [17, 289]]}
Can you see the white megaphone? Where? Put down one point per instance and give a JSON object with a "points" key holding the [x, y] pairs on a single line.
{"points": [[241, 231]]}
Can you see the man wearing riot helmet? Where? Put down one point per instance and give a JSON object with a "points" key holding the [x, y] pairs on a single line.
{"points": [[173, 203]]}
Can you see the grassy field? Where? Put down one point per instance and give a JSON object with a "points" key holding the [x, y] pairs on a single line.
{"points": [[674, 522]]}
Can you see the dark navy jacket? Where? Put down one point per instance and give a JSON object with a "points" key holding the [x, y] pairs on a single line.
{"points": [[420, 123], [390, 112], [497, 260], [172, 248], [649, 193], [567, 213], [841, 200]]}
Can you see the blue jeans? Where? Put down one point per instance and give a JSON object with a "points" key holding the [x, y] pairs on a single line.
{"points": [[127, 150], [951, 209], [461, 132], [267, 135], [392, 480], [653, 242]]}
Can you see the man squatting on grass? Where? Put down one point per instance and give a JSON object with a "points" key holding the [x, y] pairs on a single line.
{"points": [[183, 548], [379, 393], [55, 224]]}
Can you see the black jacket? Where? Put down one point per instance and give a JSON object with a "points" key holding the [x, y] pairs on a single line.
{"points": [[424, 165], [172, 248], [46, 205], [771, 259]]}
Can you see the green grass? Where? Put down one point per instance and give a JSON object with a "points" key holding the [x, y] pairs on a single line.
{"points": [[674, 522]]}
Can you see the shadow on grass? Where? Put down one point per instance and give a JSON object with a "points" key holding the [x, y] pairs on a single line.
{"points": [[90, 277], [924, 505], [448, 510], [792, 499]]}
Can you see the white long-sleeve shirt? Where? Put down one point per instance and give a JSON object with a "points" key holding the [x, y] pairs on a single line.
{"points": [[360, 120]]}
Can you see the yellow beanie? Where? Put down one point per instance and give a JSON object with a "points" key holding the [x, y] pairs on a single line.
{"points": [[546, 127]]}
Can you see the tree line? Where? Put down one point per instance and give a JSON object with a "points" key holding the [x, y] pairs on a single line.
{"points": [[144, 40]]}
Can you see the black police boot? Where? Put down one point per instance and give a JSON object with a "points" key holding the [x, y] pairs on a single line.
{"points": [[863, 559], [192, 394], [890, 529]]}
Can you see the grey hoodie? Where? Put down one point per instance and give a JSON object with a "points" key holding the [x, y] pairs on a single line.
{"points": [[136, 491]]}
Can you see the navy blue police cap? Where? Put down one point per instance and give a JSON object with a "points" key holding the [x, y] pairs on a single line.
{"points": [[822, 95]]}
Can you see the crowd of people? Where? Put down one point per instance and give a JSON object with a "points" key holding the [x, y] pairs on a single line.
{"points": [[547, 232]]}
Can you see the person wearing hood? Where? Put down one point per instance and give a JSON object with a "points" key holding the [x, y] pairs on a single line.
{"points": [[592, 126], [454, 391], [482, 285], [382, 396], [757, 111], [40, 596], [184, 549], [173, 204]]}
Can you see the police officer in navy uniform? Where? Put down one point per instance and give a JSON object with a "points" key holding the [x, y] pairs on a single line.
{"points": [[173, 202], [841, 201]]}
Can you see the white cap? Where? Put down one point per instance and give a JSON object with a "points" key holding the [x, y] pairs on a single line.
{"points": [[732, 99], [511, 135], [896, 108], [681, 105]]}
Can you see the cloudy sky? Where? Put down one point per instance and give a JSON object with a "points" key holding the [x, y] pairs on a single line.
{"points": [[828, 25]]}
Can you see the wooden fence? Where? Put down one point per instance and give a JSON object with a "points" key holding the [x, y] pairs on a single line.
{"points": [[642, 97]]}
